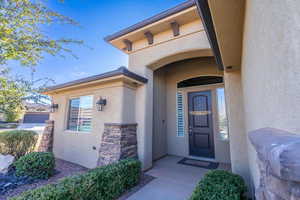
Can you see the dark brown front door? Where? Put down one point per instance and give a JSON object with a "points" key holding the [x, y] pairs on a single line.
{"points": [[201, 138]]}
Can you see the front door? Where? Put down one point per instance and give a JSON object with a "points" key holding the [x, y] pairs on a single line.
{"points": [[201, 137]]}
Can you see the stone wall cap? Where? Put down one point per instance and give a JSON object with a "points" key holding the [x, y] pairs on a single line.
{"points": [[279, 149]]}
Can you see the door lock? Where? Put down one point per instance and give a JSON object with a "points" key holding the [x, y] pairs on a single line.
{"points": [[190, 130]]}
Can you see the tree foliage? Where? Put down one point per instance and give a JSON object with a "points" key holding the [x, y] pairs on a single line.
{"points": [[11, 94], [34, 87], [22, 37], [15, 90]]}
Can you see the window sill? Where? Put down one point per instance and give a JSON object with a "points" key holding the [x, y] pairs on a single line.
{"points": [[76, 132]]}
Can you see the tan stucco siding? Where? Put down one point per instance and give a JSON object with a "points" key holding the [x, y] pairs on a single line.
{"points": [[166, 36], [128, 105], [228, 19], [165, 45], [237, 133], [178, 72], [159, 142], [165, 139], [144, 119], [77, 147], [139, 62], [148, 56], [271, 68]]}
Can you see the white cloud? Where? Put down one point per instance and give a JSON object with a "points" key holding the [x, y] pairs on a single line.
{"points": [[79, 74]]}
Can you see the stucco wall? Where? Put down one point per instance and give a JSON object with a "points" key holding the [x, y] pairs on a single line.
{"points": [[175, 73], [166, 36], [159, 141], [140, 62], [77, 147], [128, 105], [271, 68], [237, 133]]}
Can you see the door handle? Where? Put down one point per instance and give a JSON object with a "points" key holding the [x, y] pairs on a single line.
{"points": [[190, 130]]}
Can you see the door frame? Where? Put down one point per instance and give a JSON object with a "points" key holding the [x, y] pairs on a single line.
{"points": [[212, 134], [212, 88]]}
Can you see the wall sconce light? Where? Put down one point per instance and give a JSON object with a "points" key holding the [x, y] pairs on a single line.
{"points": [[100, 104], [53, 108]]}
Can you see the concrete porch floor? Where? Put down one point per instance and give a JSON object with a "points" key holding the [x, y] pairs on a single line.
{"points": [[172, 181]]}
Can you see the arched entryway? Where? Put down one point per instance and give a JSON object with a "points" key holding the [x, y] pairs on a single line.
{"points": [[181, 126]]}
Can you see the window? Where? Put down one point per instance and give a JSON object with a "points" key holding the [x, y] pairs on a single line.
{"points": [[180, 115], [223, 122], [80, 114]]}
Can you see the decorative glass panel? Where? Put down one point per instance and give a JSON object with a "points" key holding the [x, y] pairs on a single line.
{"points": [[180, 115], [80, 114], [223, 122]]}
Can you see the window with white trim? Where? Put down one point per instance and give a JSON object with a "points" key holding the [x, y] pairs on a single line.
{"points": [[80, 114], [222, 116], [180, 114]]}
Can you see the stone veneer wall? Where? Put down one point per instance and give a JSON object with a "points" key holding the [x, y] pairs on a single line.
{"points": [[119, 141], [278, 155], [45, 141]]}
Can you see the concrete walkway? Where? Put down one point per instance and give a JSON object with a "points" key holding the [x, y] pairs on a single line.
{"points": [[172, 181]]}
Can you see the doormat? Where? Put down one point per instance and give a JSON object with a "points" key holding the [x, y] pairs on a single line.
{"points": [[199, 163]]}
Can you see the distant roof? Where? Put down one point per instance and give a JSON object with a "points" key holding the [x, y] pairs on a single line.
{"points": [[36, 107], [120, 71], [152, 19]]}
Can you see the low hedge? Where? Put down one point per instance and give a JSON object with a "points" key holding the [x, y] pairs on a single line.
{"points": [[102, 183], [17, 142], [36, 165], [220, 185]]}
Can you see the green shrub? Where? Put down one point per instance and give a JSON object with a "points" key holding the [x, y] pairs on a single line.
{"points": [[17, 142], [36, 164], [220, 185], [102, 183], [13, 115]]}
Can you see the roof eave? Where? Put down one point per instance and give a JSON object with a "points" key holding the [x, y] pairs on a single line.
{"points": [[204, 12], [151, 20], [122, 71]]}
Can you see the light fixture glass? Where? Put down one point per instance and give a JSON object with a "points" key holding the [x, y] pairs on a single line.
{"points": [[53, 108], [100, 104]]}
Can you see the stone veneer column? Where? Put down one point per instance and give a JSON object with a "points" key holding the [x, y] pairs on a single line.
{"points": [[119, 141], [45, 143], [278, 154]]}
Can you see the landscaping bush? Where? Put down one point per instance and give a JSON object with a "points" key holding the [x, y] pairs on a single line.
{"points": [[14, 114], [102, 183], [17, 142], [220, 185], [36, 165]]}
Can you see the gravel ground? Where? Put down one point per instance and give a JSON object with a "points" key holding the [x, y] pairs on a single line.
{"points": [[63, 167]]}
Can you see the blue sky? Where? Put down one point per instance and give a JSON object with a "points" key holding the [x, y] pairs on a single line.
{"points": [[98, 18]]}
